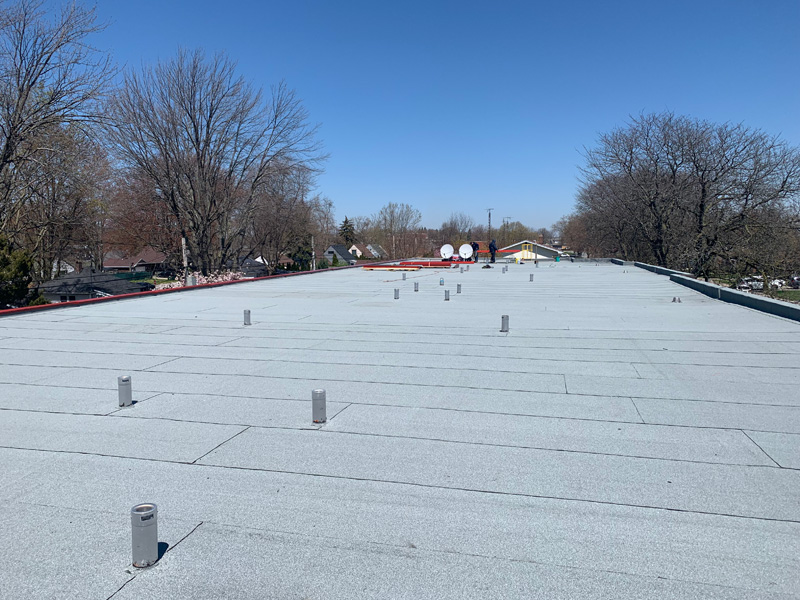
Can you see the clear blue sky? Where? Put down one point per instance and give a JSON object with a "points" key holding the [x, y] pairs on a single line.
{"points": [[468, 105]]}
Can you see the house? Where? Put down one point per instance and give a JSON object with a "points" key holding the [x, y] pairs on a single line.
{"points": [[61, 267], [528, 250], [148, 260], [89, 283], [377, 251], [340, 252], [251, 267], [362, 251]]}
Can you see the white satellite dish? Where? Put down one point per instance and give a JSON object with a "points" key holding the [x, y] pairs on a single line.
{"points": [[465, 251], [446, 251]]}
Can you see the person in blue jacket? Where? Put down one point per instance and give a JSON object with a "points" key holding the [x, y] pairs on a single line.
{"points": [[493, 249], [475, 248]]}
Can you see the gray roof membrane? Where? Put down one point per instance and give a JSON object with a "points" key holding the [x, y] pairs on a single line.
{"points": [[612, 444]]}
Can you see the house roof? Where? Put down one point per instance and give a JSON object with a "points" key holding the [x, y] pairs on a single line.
{"points": [[342, 251], [612, 444], [377, 248], [88, 280], [366, 252], [147, 256], [545, 246]]}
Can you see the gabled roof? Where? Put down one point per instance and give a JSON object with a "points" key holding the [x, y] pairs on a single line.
{"points": [[515, 244], [366, 252], [342, 251], [377, 249]]}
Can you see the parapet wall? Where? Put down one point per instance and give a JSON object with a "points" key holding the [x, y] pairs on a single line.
{"points": [[712, 290], [767, 305], [661, 270]]}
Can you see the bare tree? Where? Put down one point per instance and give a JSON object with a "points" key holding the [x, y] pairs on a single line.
{"points": [[65, 200], [574, 234], [323, 223], [768, 245], [398, 227], [138, 219], [364, 228], [457, 229], [738, 176], [210, 144], [49, 77], [639, 170], [682, 192], [282, 219]]}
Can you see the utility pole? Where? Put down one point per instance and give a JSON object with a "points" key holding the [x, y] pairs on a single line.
{"points": [[490, 222], [185, 261]]}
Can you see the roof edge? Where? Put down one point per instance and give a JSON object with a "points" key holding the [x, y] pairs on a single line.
{"points": [[56, 305]]}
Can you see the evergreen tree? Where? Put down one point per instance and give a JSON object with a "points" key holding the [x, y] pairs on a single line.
{"points": [[301, 255], [347, 232], [15, 274]]}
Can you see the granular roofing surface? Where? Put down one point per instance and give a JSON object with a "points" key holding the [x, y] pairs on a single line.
{"points": [[613, 444]]}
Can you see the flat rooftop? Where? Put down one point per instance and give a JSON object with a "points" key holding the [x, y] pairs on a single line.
{"points": [[613, 444]]}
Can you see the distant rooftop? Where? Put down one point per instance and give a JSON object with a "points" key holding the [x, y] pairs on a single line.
{"points": [[147, 256], [611, 444], [89, 282]]}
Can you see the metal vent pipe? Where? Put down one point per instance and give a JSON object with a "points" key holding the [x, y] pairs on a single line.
{"points": [[125, 391], [144, 534], [318, 413]]}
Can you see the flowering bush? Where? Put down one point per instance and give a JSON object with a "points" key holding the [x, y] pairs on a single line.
{"points": [[216, 277]]}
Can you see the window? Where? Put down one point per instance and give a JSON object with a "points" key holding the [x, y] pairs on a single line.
{"points": [[63, 298]]}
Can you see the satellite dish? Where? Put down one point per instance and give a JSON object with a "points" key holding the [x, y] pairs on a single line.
{"points": [[446, 251], [465, 251]]}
